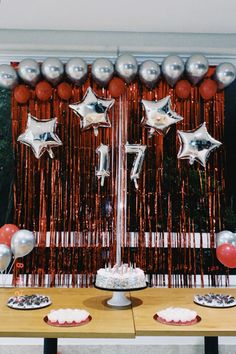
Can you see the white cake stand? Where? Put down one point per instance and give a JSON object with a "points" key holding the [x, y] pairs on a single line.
{"points": [[119, 298]]}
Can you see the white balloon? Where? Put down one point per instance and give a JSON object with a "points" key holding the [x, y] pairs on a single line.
{"points": [[22, 243], [225, 74], [29, 71], [196, 68], [126, 67], [52, 70], [76, 69], [5, 257], [102, 71], [172, 69]]}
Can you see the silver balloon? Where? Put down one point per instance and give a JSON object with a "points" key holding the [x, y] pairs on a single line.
{"points": [[225, 74], [22, 243], [196, 145], [196, 67], [8, 76], [5, 257], [159, 116], [139, 151], [40, 135], [149, 73], [225, 237], [126, 67], [52, 69], [172, 69], [29, 71], [102, 71], [103, 163], [92, 111], [76, 69]]}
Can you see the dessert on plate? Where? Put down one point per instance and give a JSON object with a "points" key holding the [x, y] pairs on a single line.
{"points": [[68, 317], [29, 302], [215, 300], [177, 316]]}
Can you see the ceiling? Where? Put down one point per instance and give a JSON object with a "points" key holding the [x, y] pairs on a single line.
{"points": [[183, 16]]}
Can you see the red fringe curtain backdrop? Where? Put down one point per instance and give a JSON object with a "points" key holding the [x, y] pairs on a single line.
{"points": [[171, 218]]}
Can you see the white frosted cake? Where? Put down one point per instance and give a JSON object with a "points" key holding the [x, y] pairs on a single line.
{"points": [[123, 277]]}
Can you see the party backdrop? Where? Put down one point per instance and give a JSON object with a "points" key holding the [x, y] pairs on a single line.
{"points": [[171, 216]]}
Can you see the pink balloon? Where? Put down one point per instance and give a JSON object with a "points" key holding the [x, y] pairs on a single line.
{"points": [[6, 233], [226, 254]]}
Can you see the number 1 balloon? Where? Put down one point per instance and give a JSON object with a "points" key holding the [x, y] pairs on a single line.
{"points": [[139, 150], [40, 135], [196, 145], [103, 166], [93, 111], [159, 116]]}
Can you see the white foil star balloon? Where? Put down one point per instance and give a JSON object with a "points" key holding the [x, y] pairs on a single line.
{"points": [[40, 135], [196, 145], [93, 111], [159, 116]]}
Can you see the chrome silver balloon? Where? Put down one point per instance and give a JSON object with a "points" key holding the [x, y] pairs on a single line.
{"points": [[172, 68], [149, 73], [22, 243], [102, 71], [139, 151], [196, 67], [8, 76], [126, 67], [103, 162], [5, 257], [40, 135], [159, 116], [225, 74], [52, 69], [29, 71], [92, 111], [196, 145], [76, 69], [225, 237]]}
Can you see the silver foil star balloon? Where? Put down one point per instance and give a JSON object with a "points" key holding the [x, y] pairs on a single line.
{"points": [[196, 145], [40, 135], [159, 116], [93, 111]]}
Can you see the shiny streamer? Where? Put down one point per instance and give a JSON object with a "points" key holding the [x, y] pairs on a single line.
{"points": [[75, 218]]}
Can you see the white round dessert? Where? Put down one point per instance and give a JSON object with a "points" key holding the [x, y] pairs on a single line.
{"points": [[120, 278], [67, 316], [177, 315]]}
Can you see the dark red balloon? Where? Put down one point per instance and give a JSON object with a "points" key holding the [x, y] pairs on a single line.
{"points": [[22, 94], [116, 87], [64, 91], [183, 89], [226, 254], [208, 89], [6, 233], [43, 91]]}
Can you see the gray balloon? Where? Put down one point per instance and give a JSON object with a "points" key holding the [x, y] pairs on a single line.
{"points": [[29, 71], [126, 67], [52, 69], [5, 257], [172, 69], [76, 69], [149, 73], [102, 71], [22, 243], [225, 237], [8, 76], [225, 74], [196, 67]]}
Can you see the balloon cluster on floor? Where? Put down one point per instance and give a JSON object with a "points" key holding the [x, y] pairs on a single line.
{"points": [[14, 243], [126, 69]]}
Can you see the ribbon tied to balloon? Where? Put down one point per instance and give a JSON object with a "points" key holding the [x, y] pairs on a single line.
{"points": [[93, 111], [159, 116], [196, 145], [40, 135], [226, 248]]}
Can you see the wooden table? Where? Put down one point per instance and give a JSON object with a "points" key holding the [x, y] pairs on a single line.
{"points": [[106, 322], [214, 322]]}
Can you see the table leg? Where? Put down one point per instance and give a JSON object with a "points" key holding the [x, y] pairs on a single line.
{"points": [[211, 345], [50, 346]]}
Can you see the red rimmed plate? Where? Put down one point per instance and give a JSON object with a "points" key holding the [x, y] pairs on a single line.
{"points": [[190, 323], [73, 324]]}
